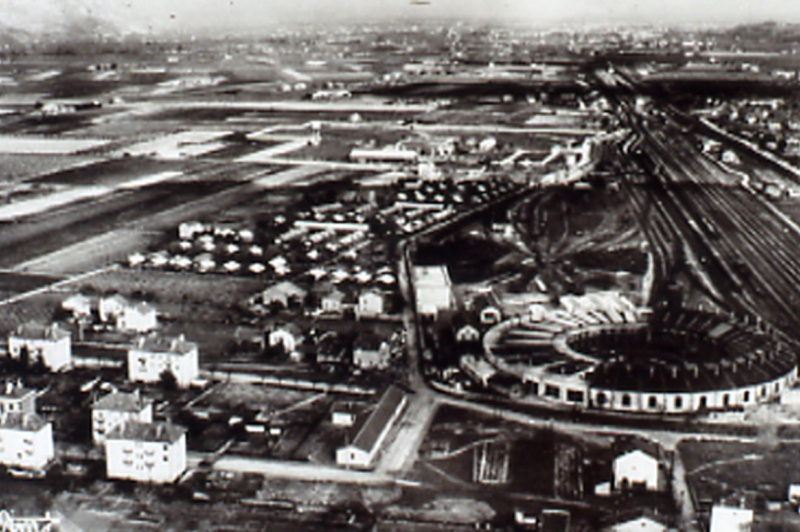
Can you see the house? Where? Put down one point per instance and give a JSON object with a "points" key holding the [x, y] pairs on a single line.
{"points": [[15, 398], [146, 452], [330, 349], [371, 351], [284, 294], [485, 306], [344, 413], [117, 408], [366, 438], [289, 336], [332, 302], [78, 305], [433, 290], [27, 441], [638, 523], [249, 338], [638, 468], [46, 343], [139, 317], [154, 354], [467, 334], [490, 315], [109, 307], [731, 519], [371, 304]]}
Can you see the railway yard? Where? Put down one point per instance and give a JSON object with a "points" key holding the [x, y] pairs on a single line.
{"points": [[439, 301]]}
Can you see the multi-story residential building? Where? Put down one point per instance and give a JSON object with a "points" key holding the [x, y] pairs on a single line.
{"points": [[146, 452], [26, 441], [154, 354], [46, 343], [117, 408]]}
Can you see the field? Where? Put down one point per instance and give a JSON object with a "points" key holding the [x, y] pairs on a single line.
{"points": [[15, 167], [109, 172], [715, 469], [176, 288], [47, 146]]}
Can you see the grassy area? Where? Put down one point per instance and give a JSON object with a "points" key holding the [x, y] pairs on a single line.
{"points": [[715, 469]]}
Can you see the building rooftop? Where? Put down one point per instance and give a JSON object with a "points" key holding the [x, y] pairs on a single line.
{"points": [[21, 421], [12, 390], [39, 331], [147, 432], [431, 276], [367, 434], [121, 402], [161, 344]]}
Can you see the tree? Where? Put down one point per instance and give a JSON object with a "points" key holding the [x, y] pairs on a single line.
{"points": [[168, 381]]}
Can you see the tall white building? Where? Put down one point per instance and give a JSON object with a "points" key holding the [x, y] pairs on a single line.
{"points": [[117, 408], [154, 354], [146, 452], [48, 343], [26, 441], [433, 290]]}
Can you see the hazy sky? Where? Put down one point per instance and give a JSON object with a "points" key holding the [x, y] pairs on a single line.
{"points": [[192, 15]]}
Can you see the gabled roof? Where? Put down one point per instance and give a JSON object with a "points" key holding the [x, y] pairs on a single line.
{"points": [[626, 446], [366, 435], [121, 402], [369, 341], [147, 432], [116, 298], [143, 308], [39, 331], [637, 514], [12, 391], [21, 421], [291, 328], [285, 289]]}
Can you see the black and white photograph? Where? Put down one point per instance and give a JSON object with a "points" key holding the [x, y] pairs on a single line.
{"points": [[399, 265]]}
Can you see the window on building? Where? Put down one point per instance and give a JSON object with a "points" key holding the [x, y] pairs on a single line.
{"points": [[763, 391], [626, 400], [726, 399], [703, 401], [746, 396], [574, 396], [777, 387], [601, 399], [552, 391], [678, 403], [652, 402]]}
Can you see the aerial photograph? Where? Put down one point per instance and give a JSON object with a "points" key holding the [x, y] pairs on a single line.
{"points": [[399, 265]]}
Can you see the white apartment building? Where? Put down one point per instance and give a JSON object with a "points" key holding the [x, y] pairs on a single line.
{"points": [[26, 441], [118, 408], [154, 354], [48, 343], [146, 452]]}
